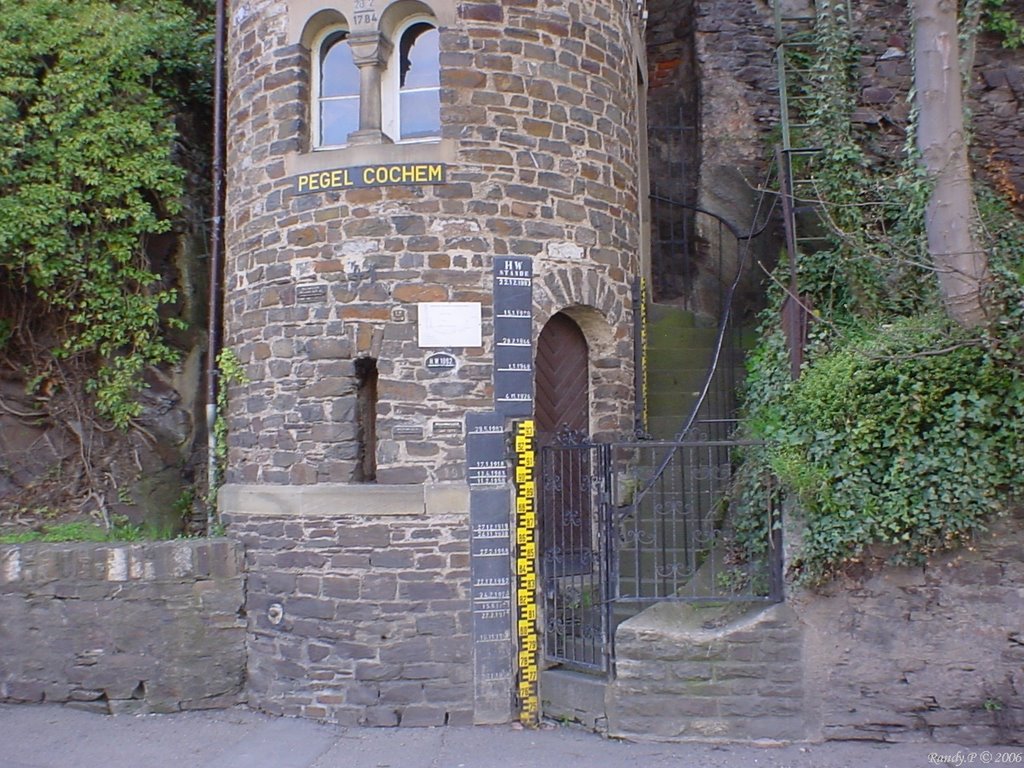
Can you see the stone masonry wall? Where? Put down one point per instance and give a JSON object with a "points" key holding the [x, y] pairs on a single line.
{"points": [[713, 82], [540, 136], [123, 628], [898, 654], [712, 102], [889, 654], [359, 620], [708, 673], [994, 97]]}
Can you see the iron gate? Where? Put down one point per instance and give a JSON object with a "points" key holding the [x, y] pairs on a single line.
{"points": [[625, 525], [575, 552]]}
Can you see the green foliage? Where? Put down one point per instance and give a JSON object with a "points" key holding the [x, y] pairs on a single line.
{"points": [[183, 504], [75, 531], [872, 214], [1004, 232], [904, 430], [997, 19], [901, 438], [993, 705], [87, 173], [230, 371]]}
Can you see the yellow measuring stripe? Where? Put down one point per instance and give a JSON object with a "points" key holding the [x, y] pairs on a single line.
{"points": [[645, 395], [526, 573]]}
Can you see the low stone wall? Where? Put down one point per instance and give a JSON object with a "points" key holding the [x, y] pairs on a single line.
{"points": [[150, 627], [889, 654], [358, 601], [691, 672], [899, 654]]}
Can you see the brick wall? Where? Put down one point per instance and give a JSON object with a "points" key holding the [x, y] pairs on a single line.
{"points": [[123, 628]]}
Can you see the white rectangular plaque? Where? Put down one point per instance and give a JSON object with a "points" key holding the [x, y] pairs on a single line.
{"points": [[450, 324]]}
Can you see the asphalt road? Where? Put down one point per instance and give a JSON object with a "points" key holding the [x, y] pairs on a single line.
{"points": [[59, 737]]}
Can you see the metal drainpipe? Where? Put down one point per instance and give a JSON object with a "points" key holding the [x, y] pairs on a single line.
{"points": [[214, 321]]}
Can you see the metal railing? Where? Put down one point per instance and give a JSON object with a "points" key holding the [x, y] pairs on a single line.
{"points": [[617, 536], [675, 528]]}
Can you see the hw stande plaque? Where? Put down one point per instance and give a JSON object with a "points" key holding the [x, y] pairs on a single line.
{"points": [[486, 460], [513, 335], [490, 564], [370, 176], [441, 362]]}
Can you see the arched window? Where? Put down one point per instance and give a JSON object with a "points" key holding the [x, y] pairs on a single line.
{"points": [[336, 95], [413, 84]]}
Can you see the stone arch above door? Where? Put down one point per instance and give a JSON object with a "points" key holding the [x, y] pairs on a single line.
{"points": [[608, 336]]}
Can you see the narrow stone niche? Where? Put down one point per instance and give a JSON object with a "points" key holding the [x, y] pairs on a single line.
{"points": [[366, 419]]}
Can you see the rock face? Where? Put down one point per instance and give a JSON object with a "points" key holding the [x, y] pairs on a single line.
{"points": [[923, 653], [58, 460], [123, 628], [55, 462]]}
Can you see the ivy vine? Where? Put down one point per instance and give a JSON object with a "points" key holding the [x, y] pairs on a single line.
{"points": [[904, 430], [230, 371], [999, 20], [905, 434], [88, 174]]}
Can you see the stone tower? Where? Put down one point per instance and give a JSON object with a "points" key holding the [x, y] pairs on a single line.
{"points": [[388, 161]]}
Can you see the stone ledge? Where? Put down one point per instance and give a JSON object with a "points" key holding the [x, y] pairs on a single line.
{"points": [[344, 500], [39, 562]]}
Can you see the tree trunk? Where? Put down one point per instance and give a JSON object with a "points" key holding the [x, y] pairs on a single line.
{"points": [[961, 265]]}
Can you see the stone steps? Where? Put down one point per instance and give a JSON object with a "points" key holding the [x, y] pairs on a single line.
{"points": [[679, 353]]}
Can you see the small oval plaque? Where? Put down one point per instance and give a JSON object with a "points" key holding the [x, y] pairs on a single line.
{"points": [[441, 361]]}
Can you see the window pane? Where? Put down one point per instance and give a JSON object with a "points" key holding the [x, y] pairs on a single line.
{"points": [[338, 118], [420, 56], [421, 113], [339, 75]]}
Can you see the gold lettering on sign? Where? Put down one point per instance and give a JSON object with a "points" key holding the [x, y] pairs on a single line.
{"points": [[370, 176]]}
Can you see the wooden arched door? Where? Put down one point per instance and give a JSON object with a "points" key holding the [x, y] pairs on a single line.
{"points": [[562, 418], [562, 397]]}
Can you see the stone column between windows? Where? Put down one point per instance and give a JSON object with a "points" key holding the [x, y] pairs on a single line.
{"points": [[370, 51]]}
